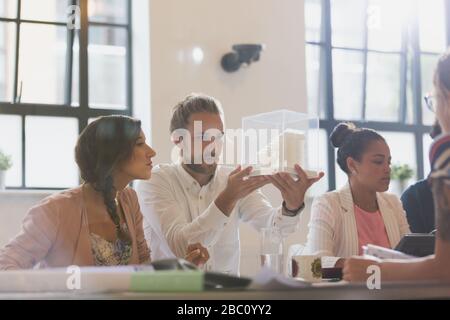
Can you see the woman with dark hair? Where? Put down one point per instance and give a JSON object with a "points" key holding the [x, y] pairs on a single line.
{"points": [[361, 212], [437, 266], [98, 223]]}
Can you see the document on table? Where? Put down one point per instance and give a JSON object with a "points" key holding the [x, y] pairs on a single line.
{"points": [[92, 279], [371, 250], [101, 279], [269, 280]]}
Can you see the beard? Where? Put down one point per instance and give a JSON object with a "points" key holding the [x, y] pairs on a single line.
{"points": [[207, 169]]}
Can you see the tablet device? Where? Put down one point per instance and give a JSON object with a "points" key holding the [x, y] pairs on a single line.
{"points": [[417, 244]]}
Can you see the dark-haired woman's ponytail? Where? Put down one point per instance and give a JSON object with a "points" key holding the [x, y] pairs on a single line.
{"points": [[108, 192]]}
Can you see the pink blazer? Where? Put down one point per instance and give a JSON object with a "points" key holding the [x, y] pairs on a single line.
{"points": [[55, 233]]}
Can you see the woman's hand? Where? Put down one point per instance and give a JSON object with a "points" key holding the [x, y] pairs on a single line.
{"points": [[340, 263], [197, 254], [355, 268]]}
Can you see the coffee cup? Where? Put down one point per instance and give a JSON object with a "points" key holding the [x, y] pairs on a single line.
{"points": [[307, 268]]}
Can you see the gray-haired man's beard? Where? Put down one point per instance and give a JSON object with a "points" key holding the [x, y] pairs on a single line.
{"points": [[198, 168]]}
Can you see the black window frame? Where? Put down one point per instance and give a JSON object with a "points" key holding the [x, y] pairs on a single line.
{"points": [[326, 100], [83, 112]]}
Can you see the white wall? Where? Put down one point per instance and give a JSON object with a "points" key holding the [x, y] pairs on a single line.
{"points": [[276, 81], [141, 61]]}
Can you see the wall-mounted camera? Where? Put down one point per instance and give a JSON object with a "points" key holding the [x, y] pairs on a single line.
{"points": [[243, 54]]}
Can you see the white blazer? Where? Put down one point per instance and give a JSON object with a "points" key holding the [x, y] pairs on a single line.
{"points": [[332, 227]]}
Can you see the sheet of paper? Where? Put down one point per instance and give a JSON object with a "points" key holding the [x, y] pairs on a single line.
{"points": [[384, 253], [101, 280], [85, 279], [268, 280]]}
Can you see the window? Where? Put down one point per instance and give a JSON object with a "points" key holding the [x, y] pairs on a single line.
{"points": [[54, 78], [371, 62]]}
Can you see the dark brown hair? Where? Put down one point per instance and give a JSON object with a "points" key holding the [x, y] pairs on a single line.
{"points": [[351, 142], [102, 146], [435, 129]]}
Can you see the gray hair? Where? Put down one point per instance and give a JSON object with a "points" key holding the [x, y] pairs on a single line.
{"points": [[193, 103]]}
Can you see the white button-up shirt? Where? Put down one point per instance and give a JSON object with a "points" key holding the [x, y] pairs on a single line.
{"points": [[178, 212]]}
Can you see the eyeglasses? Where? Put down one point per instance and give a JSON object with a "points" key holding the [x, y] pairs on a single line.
{"points": [[430, 101]]}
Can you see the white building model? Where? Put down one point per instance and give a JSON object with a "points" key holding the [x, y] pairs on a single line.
{"points": [[275, 142]]}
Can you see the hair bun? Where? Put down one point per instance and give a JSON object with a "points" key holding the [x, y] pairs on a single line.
{"points": [[340, 133]]}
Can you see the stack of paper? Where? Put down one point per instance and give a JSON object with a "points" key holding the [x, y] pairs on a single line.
{"points": [[101, 279], [268, 280], [384, 253]]}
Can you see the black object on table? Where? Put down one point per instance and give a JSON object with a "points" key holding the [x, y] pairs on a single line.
{"points": [[332, 274], [417, 244], [212, 280]]}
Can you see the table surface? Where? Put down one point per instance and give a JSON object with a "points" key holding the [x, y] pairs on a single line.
{"points": [[321, 291]]}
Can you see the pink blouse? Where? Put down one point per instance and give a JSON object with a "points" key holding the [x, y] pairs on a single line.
{"points": [[371, 229]]}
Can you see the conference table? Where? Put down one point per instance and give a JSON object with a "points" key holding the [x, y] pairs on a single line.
{"points": [[323, 291]]}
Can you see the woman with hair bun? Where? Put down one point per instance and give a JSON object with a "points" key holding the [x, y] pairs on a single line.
{"points": [[435, 267], [361, 212]]}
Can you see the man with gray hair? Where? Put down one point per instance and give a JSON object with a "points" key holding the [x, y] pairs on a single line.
{"points": [[199, 201]]}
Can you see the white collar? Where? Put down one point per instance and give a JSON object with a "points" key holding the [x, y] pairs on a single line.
{"points": [[189, 180]]}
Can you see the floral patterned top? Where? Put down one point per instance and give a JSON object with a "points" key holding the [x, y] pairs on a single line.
{"points": [[107, 253]]}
